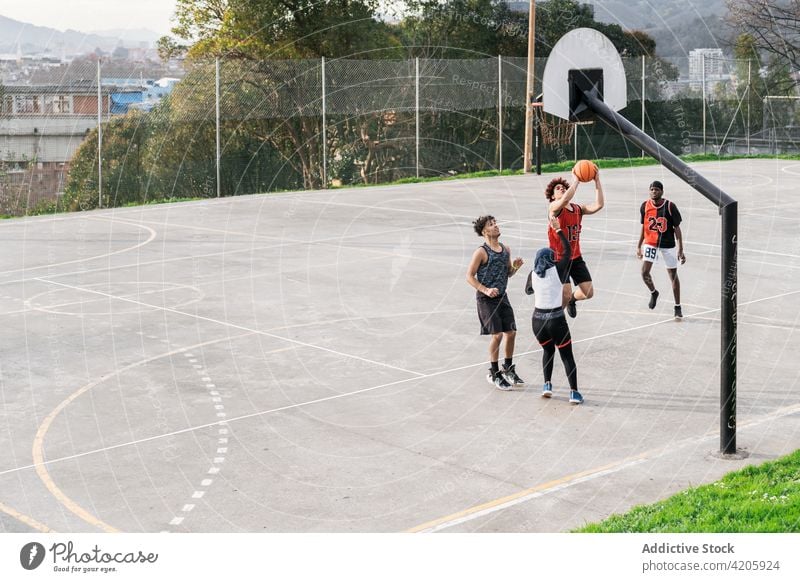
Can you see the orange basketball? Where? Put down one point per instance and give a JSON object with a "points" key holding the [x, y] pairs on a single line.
{"points": [[585, 170]]}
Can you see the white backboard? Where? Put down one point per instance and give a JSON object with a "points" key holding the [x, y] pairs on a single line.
{"points": [[583, 48]]}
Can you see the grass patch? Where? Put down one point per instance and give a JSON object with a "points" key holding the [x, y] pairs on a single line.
{"points": [[566, 166], [165, 201], [756, 499]]}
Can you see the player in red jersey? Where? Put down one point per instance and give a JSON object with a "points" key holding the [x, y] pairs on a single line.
{"points": [[661, 227], [559, 193]]}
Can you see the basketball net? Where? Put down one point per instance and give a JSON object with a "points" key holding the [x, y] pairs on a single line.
{"points": [[555, 131]]}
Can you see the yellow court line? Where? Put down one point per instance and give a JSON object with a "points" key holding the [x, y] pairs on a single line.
{"points": [[496, 503], [38, 442], [25, 519]]}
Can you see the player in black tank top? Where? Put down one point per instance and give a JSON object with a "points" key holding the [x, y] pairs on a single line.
{"points": [[488, 273]]}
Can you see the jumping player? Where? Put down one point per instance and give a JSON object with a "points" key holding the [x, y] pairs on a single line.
{"points": [[559, 192], [549, 324], [661, 222], [488, 273]]}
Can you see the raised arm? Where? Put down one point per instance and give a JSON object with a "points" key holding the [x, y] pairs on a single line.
{"points": [[556, 206], [599, 198]]}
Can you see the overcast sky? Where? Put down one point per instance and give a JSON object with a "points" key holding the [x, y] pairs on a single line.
{"points": [[89, 15]]}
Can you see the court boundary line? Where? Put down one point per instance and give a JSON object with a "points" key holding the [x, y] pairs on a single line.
{"points": [[360, 391], [556, 485]]}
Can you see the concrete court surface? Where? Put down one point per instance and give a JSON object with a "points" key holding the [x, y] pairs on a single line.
{"points": [[310, 362]]}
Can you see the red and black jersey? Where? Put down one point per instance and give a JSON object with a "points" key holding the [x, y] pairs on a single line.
{"points": [[569, 219], [659, 222]]}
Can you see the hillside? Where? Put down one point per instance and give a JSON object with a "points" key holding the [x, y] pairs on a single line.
{"points": [[40, 39], [677, 26]]}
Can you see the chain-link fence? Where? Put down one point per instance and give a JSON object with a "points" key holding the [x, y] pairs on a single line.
{"points": [[238, 127]]}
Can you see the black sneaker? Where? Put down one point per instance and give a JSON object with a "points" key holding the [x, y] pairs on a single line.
{"points": [[653, 299], [498, 380], [678, 312], [511, 375], [572, 310]]}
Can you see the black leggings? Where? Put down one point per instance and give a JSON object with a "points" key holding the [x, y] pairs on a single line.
{"points": [[551, 331]]}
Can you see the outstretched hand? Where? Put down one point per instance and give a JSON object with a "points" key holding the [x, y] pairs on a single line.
{"points": [[518, 262]]}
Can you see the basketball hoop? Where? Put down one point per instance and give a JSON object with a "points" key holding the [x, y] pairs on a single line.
{"points": [[555, 131]]}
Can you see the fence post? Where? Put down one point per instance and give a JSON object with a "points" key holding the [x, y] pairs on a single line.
{"points": [[99, 139], [216, 105], [703, 78], [749, 65], [530, 94], [324, 131], [416, 107], [500, 110], [643, 92]]}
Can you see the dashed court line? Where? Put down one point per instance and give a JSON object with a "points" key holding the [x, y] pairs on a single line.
{"points": [[221, 444], [38, 454]]}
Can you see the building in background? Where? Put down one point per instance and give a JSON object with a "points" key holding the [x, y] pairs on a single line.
{"points": [[708, 64], [41, 128]]}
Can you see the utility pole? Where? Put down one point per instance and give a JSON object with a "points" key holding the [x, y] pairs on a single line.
{"points": [[529, 94]]}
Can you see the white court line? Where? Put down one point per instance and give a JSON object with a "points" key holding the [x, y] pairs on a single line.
{"points": [[222, 253], [789, 328], [370, 207], [112, 218], [103, 256], [228, 324], [347, 394]]}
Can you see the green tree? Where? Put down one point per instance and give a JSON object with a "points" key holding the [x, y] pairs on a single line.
{"points": [[123, 140], [748, 70], [275, 29], [251, 35], [774, 26], [464, 29]]}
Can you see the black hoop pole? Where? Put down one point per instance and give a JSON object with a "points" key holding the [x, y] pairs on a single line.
{"points": [[729, 211]]}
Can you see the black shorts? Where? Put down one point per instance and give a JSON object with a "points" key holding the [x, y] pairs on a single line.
{"points": [[577, 271], [495, 315], [550, 327]]}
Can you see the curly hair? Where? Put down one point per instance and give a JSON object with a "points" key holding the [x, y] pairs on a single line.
{"points": [[480, 223], [549, 191]]}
